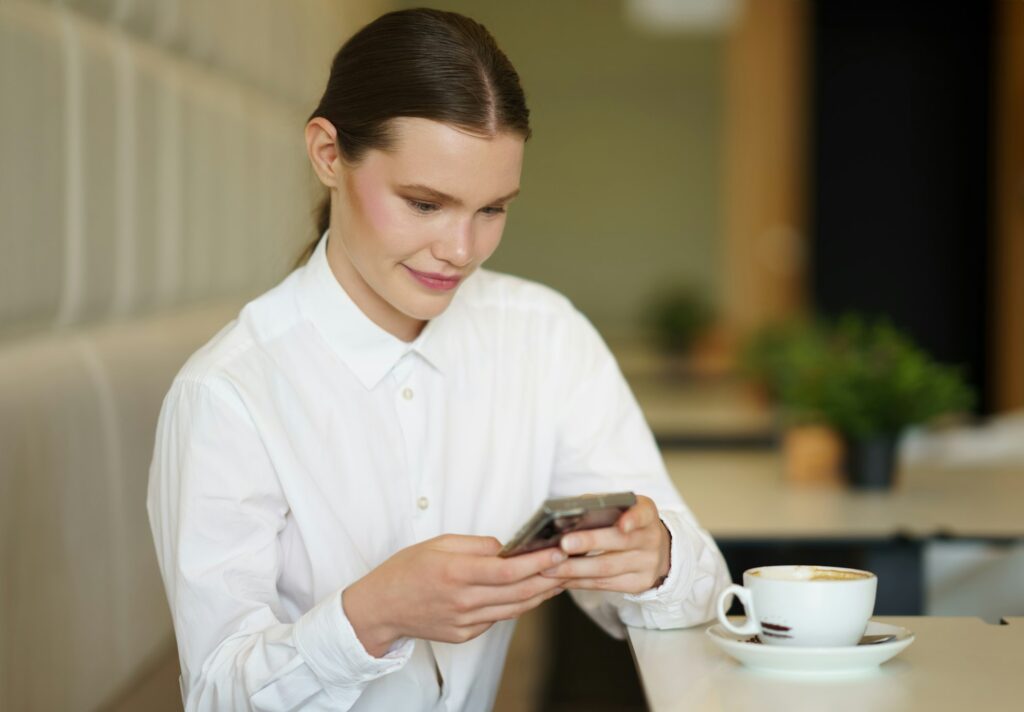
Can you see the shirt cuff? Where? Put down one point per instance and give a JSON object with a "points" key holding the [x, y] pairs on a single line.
{"points": [[681, 562], [327, 642]]}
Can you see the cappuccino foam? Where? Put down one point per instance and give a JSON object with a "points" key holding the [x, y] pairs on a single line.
{"points": [[809, 573]]}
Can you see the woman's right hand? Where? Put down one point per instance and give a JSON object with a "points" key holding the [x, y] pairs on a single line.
{"points": [[450, 589]]}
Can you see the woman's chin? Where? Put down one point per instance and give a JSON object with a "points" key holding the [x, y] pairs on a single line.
{"points": [[429, 307]]}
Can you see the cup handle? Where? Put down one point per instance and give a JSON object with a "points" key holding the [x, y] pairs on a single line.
{"points": [[750, 626]]}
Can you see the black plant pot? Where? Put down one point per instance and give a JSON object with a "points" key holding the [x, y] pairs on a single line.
{"points": [[871, 462]]}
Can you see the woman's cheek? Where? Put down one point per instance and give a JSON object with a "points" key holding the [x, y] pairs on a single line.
{"points": [[380, 211], [395, 227], [378, 207]]}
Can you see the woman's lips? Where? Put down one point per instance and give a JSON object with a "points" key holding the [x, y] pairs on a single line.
{"points": [[437, 282]]}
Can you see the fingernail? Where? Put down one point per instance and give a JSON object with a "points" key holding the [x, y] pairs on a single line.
{"points": [[627, 526], [569, 543], [557, 557]]}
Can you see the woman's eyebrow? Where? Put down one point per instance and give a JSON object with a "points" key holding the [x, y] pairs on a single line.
{"points": [[442, 197], [506, 198]]}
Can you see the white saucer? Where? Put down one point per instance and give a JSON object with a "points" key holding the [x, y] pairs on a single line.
{"points": [[777, 658]]}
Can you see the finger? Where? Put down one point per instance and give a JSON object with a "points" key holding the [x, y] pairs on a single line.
{"points": [[507, 611], [603, 539], [628, 583], [482, 596], [496, 571], [465, 633], [468, 544], [607, 565], [642, 514]]}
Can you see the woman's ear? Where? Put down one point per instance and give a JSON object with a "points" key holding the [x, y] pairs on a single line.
{"points": [[322, 149]]}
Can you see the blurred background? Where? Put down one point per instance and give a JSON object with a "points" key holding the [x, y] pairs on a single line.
{"points": [[799, 225]]}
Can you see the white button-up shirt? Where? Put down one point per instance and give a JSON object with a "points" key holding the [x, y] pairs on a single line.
{"points": [[304, 445]]}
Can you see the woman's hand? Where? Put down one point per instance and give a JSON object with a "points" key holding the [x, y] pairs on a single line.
{"points": [[630, 557], [450, 589]]}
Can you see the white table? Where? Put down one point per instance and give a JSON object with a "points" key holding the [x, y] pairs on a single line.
{"points": [[742, 495], [954, 664], [746, 504]]}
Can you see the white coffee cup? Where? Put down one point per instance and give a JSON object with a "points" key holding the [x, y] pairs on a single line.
{"points": [[804, 606]]}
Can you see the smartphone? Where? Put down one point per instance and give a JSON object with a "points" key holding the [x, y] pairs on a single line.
{"points": [[557, 517]]}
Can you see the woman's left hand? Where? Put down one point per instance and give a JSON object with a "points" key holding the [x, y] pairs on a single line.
{"points": [[630, 557]]}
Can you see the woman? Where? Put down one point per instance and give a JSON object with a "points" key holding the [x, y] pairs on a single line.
{"points": [[335, 470]]}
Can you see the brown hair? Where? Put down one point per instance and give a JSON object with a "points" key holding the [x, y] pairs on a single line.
{"points": [[422, 63]]}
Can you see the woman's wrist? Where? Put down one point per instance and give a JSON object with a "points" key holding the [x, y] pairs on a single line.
{"points": [[363, 611]]}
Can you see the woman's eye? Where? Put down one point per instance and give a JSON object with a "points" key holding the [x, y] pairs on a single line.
{"points": [[492, 211], [421, 207]]}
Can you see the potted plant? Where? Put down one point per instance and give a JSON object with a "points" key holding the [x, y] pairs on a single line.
{"points": [[677, 319], [781, 361], [876, 383], [779, 353]]}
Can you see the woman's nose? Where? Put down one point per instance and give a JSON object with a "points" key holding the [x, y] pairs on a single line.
{"points": [[457, 246]]}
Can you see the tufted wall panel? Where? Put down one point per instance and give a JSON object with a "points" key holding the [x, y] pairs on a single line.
{"points": [[152, 178]]}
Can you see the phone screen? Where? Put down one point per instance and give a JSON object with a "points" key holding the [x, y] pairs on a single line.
{"points": [[558, 517]]}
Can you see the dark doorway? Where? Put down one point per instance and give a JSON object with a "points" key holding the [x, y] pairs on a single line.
{"points": [[900, 170]]}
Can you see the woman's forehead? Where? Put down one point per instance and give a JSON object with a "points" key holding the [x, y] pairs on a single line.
{"points": [[450, 159]]}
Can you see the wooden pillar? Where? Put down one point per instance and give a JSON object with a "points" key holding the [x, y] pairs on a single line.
{"points": [[766, 141], [1008, 252]]}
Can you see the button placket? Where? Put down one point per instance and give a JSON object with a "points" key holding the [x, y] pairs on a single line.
{"points": [[411, 415]]}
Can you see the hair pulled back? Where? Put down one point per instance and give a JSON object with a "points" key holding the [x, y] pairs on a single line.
{"points": [[421, 63]]}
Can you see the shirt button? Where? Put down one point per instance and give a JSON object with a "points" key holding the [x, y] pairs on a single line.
{"points": [[407, 393], [422, 502]]}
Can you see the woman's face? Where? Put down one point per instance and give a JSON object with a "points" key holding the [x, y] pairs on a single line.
{"points": [[409, 224]]}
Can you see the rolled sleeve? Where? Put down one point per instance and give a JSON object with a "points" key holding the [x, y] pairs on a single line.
{"points": [[329, 645]]}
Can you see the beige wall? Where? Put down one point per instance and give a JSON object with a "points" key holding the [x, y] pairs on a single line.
{"points": [[621, 185]]}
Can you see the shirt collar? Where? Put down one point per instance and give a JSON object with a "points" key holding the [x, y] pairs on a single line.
{"points": [[369, 351]]}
